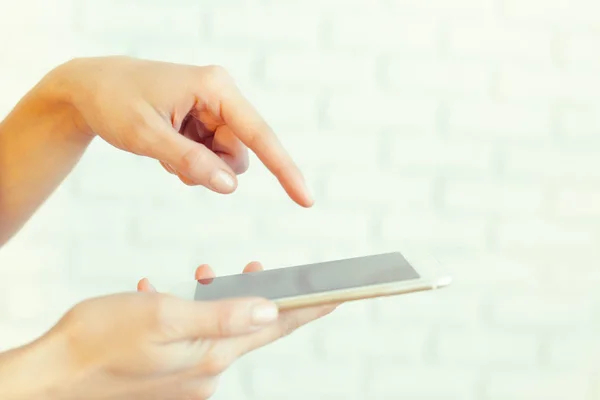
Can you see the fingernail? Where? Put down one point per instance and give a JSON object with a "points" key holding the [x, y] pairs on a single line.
{"points": [[309, 197], [264, 313], [222, 181], [150, 287]]}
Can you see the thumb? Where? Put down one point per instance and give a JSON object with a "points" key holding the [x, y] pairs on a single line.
{"points": [[187, 319], [193, 160]]}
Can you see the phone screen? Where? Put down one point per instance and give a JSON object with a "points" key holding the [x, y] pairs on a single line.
{"points": [[300, 280]]}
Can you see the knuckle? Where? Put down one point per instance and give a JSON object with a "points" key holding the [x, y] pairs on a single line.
{"points": [[83, 312], [159, 314], [187, 182], [214, 364], [198, 394], [253, 138], [217, 75], [192, 158], [74, 328], [74, 316], [226, 321], [204, 391], [167, 168], [77, 309]]}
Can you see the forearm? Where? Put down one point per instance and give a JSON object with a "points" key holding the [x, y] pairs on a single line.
{"points": [[39, 146], [39, 370]]}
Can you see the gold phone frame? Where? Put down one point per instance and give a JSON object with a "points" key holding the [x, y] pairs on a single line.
{"points": [[431, 273], [432, 276]]}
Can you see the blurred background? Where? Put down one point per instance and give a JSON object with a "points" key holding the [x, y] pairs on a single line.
{"points": [[469, 129]]}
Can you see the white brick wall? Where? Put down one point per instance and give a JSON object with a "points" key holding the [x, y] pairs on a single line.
{"points": [[376, 30], [497, 41], [579, 50], [468, 128], [517, 385]]}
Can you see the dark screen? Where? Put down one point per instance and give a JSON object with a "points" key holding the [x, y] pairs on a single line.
{"points": [[311, 278]]}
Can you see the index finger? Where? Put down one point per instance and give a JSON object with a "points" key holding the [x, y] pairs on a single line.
{"points": [[247, 124]]}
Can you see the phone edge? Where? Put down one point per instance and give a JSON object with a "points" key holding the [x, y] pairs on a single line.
{"points": [[369, 292]]}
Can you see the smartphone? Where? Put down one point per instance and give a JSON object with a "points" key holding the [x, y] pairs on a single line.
{"points": [[331, 281]]}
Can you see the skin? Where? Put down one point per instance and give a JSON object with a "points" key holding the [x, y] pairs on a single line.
{"points": [[193, 120], [141, 344]]}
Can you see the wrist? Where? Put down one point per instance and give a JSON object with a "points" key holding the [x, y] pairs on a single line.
{"points": [[57, 92], [42, 369]]}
